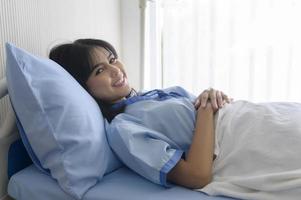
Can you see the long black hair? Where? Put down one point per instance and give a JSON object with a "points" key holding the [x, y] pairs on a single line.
{"points": [[76, 58]]}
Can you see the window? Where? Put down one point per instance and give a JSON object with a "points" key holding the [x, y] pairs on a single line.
{"points": [[249, 49]]}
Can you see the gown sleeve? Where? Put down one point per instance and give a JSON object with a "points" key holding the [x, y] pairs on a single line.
{"points": [[145, 151]]}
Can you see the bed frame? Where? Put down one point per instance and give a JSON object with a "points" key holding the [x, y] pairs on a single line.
{"points": [[9, 123], [8, 134]]}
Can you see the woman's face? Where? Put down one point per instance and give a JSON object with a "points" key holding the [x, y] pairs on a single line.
{"points": [[108, 80]]}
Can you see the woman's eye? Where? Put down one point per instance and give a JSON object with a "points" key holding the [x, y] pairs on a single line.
{"points": [[98, 71], [113, 60]]}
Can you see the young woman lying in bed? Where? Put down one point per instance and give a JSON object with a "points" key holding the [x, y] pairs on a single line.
{"points": [[238, 149]]}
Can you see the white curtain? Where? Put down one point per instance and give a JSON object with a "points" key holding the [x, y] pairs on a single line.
{"points": [[251, 49]]}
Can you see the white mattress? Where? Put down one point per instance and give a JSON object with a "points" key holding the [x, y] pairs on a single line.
{"points": [[123, 184]]}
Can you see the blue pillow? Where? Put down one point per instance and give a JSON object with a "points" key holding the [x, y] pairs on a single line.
{"points": [[60, 124]]}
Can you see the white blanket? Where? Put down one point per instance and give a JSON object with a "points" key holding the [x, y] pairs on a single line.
{"points": [[258, 148]]}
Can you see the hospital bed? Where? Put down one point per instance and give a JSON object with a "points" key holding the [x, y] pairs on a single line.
{"points": [[27, 28], [27, 182]]}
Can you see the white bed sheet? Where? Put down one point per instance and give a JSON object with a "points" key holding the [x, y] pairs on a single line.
{"points": [[123, 184]]}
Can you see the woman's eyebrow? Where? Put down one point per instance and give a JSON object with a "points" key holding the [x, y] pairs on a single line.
{"points": [[101, 63], [97, 65]]}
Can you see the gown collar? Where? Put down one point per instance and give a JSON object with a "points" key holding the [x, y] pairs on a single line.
{"points": [[152, 94]]}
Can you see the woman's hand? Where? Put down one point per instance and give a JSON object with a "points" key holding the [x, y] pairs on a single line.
{"points": [[215, 97], [207, 109]]}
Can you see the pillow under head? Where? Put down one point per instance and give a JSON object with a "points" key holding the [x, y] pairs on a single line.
{"points": [[60, 124]]}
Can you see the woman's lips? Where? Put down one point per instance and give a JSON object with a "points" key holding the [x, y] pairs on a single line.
{"points": [[120, 82]]}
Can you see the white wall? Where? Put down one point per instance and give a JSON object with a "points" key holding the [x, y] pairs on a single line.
{"points": [[36, 25], [130, 40]]}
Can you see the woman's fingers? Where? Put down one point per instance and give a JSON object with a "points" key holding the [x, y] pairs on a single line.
{"points": [[197, 102], [212, 96], [216, 98], [204, 98], [226, 98], [219, 98]]}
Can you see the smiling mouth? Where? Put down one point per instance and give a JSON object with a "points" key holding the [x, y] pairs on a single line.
{"points": [[120, 82]]}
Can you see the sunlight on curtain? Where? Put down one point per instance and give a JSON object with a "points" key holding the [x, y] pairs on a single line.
{"points": [[251, 49]]}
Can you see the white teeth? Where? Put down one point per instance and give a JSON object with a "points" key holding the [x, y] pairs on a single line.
{"points": [[120, 82]]}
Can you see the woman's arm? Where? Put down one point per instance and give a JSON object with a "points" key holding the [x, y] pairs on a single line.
{"points": [[196, 170]]}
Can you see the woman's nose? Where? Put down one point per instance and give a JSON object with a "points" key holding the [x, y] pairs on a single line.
{"points": [[115, 71]]}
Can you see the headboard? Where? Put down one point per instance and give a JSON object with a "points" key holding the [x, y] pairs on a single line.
{"points": [[9, 121], [8, 135]]}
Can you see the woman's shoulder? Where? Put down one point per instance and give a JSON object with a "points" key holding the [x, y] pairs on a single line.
{"points": [[173, 89], [177, 89], [180, 90]]}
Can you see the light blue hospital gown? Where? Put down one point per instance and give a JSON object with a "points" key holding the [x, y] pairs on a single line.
{"points": [[152, 135]]}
